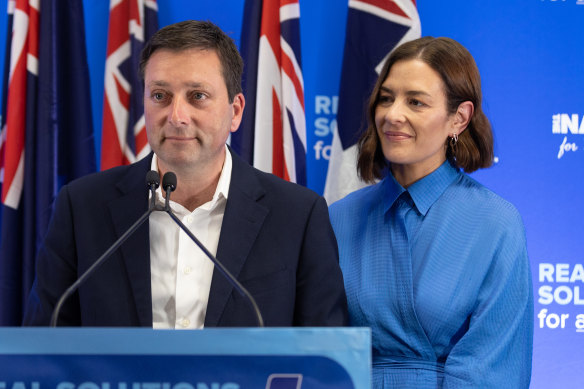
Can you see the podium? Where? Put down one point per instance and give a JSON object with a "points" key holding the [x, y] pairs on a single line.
{"points": [[101, 358]]}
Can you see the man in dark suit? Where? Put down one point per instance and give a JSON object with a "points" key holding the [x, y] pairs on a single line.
{"points": [[273, 236]]}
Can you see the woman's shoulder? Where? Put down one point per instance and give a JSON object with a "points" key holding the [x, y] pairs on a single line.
{"points": [[476, 197], [356, 199]]}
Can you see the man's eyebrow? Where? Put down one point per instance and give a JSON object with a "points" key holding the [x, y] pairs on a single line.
{"points": [[158, 83], [189, 84]]}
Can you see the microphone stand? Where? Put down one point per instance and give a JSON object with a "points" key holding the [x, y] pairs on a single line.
{"points": [[169, 184]]}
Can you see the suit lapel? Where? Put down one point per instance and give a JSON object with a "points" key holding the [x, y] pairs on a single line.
{"points": [[241, 225], [125, 211]]}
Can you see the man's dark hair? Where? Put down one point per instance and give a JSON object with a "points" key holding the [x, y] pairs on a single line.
{"points": [[193, 34]]}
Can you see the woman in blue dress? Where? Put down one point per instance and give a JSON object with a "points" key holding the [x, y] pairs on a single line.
{"points": [[434, 263]]}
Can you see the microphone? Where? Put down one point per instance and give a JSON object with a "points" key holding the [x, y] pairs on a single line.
{"points": [[153, 182], [169, 185]]}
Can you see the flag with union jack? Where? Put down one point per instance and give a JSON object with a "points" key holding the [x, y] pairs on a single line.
{"points": [[374, 29], [47, 134], [272, 136], [131, 24]]}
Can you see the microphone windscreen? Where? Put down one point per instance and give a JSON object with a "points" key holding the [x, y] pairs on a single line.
{"points": [[169, 181], [153, 178]]}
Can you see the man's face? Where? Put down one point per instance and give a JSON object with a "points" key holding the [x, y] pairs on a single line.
{"points": [[187, 110]]}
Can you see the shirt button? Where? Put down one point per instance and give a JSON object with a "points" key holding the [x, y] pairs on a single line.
{"points": [[187, 270], [189, 219], [184, 323]]}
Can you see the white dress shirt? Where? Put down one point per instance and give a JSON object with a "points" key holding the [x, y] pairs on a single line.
{"points": [[181, 272]]}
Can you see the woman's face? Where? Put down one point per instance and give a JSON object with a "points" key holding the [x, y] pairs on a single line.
{"points": [[412, 121]]}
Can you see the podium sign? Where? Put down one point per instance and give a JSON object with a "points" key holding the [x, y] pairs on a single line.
{"points": [[272, 358]]}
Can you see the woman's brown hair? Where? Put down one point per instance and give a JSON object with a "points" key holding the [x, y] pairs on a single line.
{"points": [[462, 82]]}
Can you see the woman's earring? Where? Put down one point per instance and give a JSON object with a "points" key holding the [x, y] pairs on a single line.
{"points": [[453, 142]]}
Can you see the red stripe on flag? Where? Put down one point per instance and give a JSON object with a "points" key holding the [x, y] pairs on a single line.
{"points": [[288, 68], [389, 6], [277, 138], [16, 99], [135, 12], [33, 32], [141, 140], [111, 152], [122, 94], [118, 30], [271, 27]]}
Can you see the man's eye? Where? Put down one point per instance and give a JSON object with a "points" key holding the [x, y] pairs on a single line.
{"points": [[158, 96], [198, 96]]}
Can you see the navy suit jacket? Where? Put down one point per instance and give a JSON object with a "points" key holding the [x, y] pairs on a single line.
{"points": [[276, 239]]}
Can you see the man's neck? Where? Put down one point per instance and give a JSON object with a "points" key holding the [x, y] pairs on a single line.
{"points": [[195, 187]]}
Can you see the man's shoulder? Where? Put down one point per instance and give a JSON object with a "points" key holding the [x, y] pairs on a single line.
{"points": [[278, 183], [271, 185]]}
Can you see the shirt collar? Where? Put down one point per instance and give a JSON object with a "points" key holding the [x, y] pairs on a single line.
{"points": [[222, 190], [425, 191]]}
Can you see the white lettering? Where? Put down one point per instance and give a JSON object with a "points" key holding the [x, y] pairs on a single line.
{"points": [[556, 124], [65, 385], [546, 296], [134, 385], [322, 127], [577, 273], [580, 322], [88, 385], [552, 320], [322, 105], [569, 123], [562, 295], [183, 385], [546, 272], [562, 272], [565, 146], [558, 295], [577, 299], [321, 151]]}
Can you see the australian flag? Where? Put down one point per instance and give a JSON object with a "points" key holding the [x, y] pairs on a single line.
{"points": [[374, 29], [272, 136], [47, 136], [131, 24]]}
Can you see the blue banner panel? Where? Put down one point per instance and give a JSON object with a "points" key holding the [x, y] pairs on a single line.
{"points": [[208, 359], [171, 372]]}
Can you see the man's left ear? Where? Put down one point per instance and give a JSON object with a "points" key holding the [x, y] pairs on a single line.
{"points": [[463, 115], [238, 106]]}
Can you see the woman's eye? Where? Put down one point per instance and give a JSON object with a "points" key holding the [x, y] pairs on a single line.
{"points": [[385, 99], [416, 103]]}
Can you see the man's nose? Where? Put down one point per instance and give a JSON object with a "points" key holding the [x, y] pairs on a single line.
{"points": [[178, 111]]}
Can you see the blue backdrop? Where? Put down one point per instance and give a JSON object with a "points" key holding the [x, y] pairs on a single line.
{"points": [[530, 55]]}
